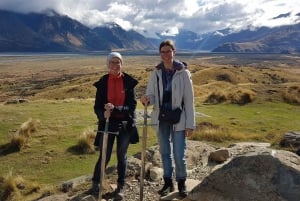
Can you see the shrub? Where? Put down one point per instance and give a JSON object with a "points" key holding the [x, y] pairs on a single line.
{"points": [[28, 127], [16, 188], [292, 95], [17, 142], [9, 186], [216, 97], [210, 132], [21, 137], [85, 142], [224, 77], [242, 96]]}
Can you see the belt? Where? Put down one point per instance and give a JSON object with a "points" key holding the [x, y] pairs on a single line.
{"points": [[122, 107]]}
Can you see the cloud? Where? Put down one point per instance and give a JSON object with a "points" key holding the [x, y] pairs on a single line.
{"points": [[168, 17]]}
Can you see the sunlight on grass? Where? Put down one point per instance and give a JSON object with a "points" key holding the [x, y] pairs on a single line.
{"points": [[61, 124], [253, 122]]}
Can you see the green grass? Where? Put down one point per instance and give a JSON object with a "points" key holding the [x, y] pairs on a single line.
{"points": [[47, 160], [266, 121]]}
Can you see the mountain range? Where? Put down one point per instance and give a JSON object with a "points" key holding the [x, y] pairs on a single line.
{"points": [[52, 32]]}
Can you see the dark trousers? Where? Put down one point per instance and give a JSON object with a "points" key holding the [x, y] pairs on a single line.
{"points": [[122, 139]]}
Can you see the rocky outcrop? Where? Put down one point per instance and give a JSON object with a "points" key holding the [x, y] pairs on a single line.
{"points": [[244, 171], [291, 139], [241, 172], [261, 174]]}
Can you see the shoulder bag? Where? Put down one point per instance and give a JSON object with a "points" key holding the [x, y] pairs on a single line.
{"points": [[165, 115]]}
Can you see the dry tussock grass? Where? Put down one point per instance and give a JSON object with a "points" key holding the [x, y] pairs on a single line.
{"points": [[8, 189], [14, 188], [227, 74], [85, 144], [60, 79], [227, 84], [216, 97], [215, 133], [28, 127], [242, 96], [207, 131], [230, 93], [292, 94], [22, 136], [205, 89]]}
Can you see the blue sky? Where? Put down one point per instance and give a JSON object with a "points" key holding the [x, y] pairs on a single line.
{"points": [[168, 16]]}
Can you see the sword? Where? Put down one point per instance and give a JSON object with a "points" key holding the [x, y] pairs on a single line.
{"points": [[103, 156], [143, 153]]}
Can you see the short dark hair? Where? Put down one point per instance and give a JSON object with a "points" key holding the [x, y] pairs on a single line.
{"points": [[167, 43]]}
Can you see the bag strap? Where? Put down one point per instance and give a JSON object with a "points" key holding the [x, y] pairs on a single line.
{"points": [[158, 91], [182, 103]]}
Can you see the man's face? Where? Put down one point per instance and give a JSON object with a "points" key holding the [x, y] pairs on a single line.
{"points": [[166, 53], [115, 65]]}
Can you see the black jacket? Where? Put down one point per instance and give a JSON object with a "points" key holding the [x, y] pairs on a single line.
{"points": [[128, 110]]}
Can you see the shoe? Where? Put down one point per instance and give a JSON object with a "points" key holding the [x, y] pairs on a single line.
{"points": [[119, 192], [167, 188], [182, 188]]}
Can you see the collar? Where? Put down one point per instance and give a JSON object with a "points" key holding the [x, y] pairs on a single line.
{"points": [[119, 75]]}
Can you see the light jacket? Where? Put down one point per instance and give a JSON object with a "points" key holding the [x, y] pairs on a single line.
{"points": [[182, 90]]}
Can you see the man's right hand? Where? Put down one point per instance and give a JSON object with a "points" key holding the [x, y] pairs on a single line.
{"points": [[145, 100], [108, 108]]}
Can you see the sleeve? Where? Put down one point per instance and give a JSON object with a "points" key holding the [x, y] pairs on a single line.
{"points": [[99, 100], [188, 99], [150, 89]]}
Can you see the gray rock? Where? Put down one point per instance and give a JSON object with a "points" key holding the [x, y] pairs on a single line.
{"points": [[271, 175], [156, 173], [219, 155], [291, 139]]}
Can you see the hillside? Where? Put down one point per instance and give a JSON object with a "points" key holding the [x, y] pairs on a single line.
{"points": [[269, 76]]}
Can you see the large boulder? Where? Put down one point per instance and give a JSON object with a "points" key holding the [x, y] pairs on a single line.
{"points": [[254, 176]]}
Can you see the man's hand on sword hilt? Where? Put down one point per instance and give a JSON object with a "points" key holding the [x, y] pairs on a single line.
{"points": [[145, 100], [108, 108]]}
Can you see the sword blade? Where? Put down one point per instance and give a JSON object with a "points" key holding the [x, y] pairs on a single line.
{"points": [[103, 159], [143, 153]]}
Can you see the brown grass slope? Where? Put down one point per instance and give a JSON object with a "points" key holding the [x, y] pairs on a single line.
{"points": [[74, 77]]}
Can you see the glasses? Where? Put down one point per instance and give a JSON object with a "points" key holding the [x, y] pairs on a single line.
{"points": [[166, 52], [115, 62]]}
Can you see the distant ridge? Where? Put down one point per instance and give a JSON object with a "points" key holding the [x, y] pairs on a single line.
{"points": [[51, 32]]}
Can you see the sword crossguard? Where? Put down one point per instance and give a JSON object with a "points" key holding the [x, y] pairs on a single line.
{"points": [[109, 132], [147, 124]]}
